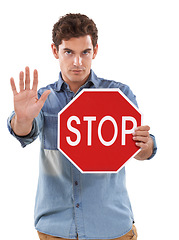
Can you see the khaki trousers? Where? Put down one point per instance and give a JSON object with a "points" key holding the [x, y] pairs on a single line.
{"points": [[132, 234]]}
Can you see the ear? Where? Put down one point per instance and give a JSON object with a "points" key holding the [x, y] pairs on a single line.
{"points": [[95, 51], [54, 51]]}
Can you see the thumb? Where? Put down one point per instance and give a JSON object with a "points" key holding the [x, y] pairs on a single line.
{"points": [[43, 98]]}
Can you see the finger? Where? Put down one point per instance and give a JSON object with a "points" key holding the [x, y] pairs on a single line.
{"points": [[43, 98], [35, 81], [141, 133], [21, 81], [13, 86], [27, 78], [141, 139], [141, 145], [143, 128]]}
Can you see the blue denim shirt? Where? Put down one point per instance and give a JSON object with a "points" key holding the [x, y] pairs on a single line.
{"points": [[94, 206]]}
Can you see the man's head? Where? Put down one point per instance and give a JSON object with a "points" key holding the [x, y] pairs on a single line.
{"points": [[75, 46], [74, 25]]}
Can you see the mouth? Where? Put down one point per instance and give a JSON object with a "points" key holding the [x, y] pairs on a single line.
{"points": [[77, 71]]}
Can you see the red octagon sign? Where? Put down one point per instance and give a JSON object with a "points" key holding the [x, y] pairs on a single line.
{"points": [[95, 130]]}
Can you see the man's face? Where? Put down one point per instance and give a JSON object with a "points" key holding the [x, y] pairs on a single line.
{"points": [[75, 58]]}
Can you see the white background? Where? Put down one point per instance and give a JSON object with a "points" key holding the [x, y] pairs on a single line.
{"points": [[139, 46]]}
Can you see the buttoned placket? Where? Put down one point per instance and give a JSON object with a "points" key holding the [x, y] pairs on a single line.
{"points": [[68, 93], [77, 198], [77, 201]]}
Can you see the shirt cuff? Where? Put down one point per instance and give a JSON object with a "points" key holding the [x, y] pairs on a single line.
{"points": [[24, 140], [154, 147]]}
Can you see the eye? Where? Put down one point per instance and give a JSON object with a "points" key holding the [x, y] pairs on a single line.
{"points": [[68, 52], [85, 52]]}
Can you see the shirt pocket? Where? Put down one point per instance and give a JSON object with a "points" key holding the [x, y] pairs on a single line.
{"points": [[50, 131]]}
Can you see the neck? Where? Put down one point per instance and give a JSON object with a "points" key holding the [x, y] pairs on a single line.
{"points": [[75, 85]]}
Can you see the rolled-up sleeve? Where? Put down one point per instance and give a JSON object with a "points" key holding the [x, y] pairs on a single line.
{"points": [[36, 128]]}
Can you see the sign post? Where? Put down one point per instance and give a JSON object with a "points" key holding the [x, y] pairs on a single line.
{"points": [[95, 130]]}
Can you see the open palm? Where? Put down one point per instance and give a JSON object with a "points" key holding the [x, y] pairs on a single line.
{"points": [[26, 103]]}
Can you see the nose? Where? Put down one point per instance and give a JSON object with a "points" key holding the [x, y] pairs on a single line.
{"points": [[77, 61]]}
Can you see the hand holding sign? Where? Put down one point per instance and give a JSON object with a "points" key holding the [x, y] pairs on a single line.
{"points": [[144, 141]]}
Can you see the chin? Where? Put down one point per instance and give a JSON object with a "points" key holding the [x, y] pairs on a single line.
{"points": [[78, 77]]}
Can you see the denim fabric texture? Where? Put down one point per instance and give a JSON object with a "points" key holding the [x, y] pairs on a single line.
{"points": [[94, 206]]}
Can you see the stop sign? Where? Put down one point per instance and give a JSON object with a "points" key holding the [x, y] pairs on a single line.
{"points": [[95, 130]]}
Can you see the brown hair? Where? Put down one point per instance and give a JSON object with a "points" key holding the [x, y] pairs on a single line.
{"points": [[74, 25]]}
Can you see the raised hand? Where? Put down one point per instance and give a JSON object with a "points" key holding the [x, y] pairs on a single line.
{"points": [[26, 103]]}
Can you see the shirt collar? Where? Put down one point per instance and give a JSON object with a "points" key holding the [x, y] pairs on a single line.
{"points": [[59, 83], [92, 78]]}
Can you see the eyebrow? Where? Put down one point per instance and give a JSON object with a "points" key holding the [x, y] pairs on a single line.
{"points": [[68, 49]]}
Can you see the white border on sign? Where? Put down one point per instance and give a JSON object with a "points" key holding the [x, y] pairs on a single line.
{"points": [[77, 96]]}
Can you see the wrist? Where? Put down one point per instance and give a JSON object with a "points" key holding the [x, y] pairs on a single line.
{"points": [[21, 127]]}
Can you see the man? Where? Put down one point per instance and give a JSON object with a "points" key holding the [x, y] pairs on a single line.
{"points": [[69, 204]]}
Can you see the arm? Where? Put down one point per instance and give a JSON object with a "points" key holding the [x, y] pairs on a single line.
{"points": [[26, 103], [144, 141]]}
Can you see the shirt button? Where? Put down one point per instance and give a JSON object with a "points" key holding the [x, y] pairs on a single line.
{"points": [[76, 183], [77, 205]]}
